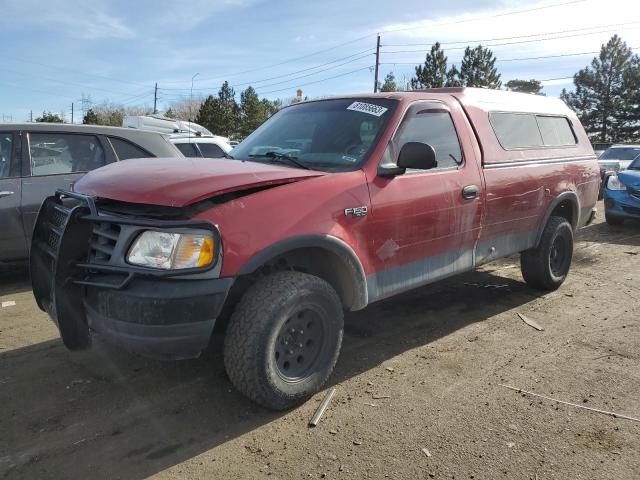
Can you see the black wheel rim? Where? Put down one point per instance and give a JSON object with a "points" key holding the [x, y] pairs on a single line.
{"points": [[558, 256], [299, 345]]}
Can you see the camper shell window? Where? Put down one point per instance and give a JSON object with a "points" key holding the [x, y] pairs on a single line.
{"points": [[516, 130]]}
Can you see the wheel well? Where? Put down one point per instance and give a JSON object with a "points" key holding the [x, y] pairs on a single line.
{"points": [[566, 209], [324, 263]]}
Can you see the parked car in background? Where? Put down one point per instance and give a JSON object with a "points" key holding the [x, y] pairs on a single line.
{"points": [[622, 194], [201, 146], [328, 206], [38, 158], [191, 139], [614, 159]]}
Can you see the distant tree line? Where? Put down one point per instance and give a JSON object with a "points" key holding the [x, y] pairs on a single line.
{"points": [[606, 94]]}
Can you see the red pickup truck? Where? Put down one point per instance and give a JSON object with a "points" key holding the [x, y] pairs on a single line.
{"points": [[327, 207]]}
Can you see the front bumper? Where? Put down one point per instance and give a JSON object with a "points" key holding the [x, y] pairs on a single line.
{"points": [[622, 204], [79, 281]]}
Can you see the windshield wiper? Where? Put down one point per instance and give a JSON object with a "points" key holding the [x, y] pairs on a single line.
{"points": [[283, 156]]}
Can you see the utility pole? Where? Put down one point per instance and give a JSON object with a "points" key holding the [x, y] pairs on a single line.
{"points": [[31, 116], [375, 84], [72, 112], [155, 99]]}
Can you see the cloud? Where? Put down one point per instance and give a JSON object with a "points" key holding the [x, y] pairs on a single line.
{"points": [[75, 18]]}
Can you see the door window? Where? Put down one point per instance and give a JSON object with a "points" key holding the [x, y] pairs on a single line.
{"points": [[6, 147], [57, 153], [211, 150], [432, 124], [188, 149], [126, 150]]}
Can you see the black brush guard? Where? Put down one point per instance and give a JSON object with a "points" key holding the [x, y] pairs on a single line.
{"points": [[66, 260]]}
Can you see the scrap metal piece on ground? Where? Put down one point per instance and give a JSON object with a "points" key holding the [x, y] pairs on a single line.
{"points": [[531, 323], [426, 452], [9, 303], [597, 410], [322, 408]]}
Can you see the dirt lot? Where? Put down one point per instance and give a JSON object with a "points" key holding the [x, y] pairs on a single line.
{"points": [[438, 353]]}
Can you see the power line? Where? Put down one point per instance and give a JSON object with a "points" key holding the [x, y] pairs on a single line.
{"points": [[303, 76], [516, 42], [284, 61], [475, 19], [71, 70], [596, 27], [318, 81], [358, 55], [499, 60]]}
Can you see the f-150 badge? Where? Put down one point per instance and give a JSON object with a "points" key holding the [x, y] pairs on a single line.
{"points": [[356, 211]]}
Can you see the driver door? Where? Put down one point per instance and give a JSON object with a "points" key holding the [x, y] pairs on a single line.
{"points": [[425, 223]]}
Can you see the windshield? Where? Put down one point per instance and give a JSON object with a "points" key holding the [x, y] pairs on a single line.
{"points": [[621, 153], [635, 165], [330, 135]]}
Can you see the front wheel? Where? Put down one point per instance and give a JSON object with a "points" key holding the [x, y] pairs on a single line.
{"points": [[546, 266], [283, 339]]}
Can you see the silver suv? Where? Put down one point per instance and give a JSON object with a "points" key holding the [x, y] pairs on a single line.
{"points": [[36, 159]]}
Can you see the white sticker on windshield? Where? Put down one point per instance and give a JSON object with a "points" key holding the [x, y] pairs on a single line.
{"points": [[369, 108]]}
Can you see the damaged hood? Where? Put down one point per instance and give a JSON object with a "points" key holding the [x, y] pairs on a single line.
{"points": [[178, 182]]}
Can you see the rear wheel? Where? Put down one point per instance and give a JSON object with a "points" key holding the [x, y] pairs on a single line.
{"points": [[546, 266], [283, 339]]}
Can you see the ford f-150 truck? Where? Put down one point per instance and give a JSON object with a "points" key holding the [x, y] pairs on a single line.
{"points": [[327, 207]]}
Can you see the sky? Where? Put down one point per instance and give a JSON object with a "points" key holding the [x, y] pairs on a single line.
{"points": [[55, 51]]}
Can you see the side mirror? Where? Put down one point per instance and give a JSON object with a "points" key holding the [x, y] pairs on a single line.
{"points": [[417, 155]]}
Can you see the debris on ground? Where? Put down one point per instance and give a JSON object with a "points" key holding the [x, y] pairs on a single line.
{"points": [[426, 452], [8, 303], [389, 369], [357, 442], [322, 408], [531, 323], [493, 286], [597, 410], [380, 397]]}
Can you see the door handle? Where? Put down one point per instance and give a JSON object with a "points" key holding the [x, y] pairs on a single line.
{"points": [[6, 194], [470, 191]]}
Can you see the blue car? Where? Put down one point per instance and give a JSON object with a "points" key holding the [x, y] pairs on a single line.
{"points": [[622, 195]]}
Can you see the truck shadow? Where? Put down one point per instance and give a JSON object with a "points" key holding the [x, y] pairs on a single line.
{"points": [[14, 278], [103, 413], [625, 234]]}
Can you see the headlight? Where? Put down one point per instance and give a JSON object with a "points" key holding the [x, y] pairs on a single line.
{"points": [[172, 251], [614, 184]]}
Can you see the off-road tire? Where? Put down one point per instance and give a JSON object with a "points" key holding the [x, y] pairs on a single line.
{"points": [[613, 220], [255, 331], [539, 268]]}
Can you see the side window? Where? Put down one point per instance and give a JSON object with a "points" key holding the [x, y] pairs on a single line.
{"points": [[556, 131], [54, 153], [516, 130], [211, 150], [125, 149], [6, 148], [188, 149], [431, 123]]}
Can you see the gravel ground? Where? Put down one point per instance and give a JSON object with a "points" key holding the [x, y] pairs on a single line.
{"points": [[418, 383]]}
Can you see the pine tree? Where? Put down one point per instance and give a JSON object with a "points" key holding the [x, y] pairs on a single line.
{"points": [[524, 86], [49, 117], [433, 74], [606, 97], [169, 113], [207, 114], [389, 84], [91, 118], [253, 112], [478, 68]]}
